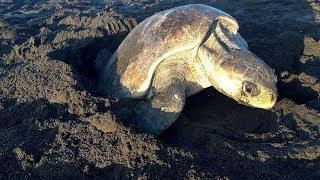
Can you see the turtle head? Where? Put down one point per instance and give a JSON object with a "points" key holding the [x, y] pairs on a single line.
{"points": [[242, 76], [233, 70], [247, 79]]}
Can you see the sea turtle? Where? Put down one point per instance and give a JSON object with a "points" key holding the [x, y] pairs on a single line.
{"points": [[178, 52]]}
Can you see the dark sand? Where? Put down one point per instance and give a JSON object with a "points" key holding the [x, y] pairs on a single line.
{"points": [[53, 122]]}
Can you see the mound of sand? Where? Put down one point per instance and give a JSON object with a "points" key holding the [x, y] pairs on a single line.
{"points": [[53, 122]]}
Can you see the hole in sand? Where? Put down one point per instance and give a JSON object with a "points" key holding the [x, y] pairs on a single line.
{"points": [[81, 54], [212, 112]]}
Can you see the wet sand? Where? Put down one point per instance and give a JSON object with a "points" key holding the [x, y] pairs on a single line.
{"points": [[54, 123]]}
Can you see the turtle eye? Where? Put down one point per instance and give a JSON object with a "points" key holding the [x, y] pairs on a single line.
{"points": [[250, 89]]}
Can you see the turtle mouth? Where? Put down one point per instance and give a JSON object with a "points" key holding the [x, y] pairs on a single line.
{"points": [[243, 102], [266, 106]]}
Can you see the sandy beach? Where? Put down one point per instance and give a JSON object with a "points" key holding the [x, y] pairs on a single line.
{"points": [[54, 123]]}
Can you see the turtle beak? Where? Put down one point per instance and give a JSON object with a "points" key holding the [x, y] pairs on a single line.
{"points": [[242, 102]]}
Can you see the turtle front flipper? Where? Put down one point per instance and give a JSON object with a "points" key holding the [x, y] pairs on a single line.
{"points": [[166, 98]]}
